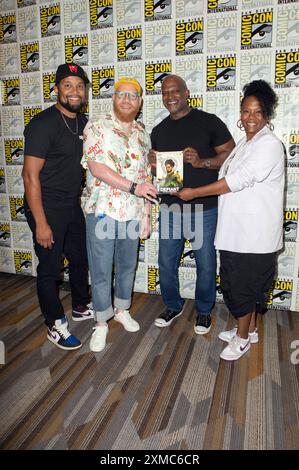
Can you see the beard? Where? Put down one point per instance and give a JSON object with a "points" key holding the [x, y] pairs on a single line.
{"points": [[68, 106], [124, 116]]}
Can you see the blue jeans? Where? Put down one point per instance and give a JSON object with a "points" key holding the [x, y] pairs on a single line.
{"points": [[170, 250], [108, 244]]}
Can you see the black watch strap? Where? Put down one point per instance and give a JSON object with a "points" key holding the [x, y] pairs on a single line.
{"points": [[132, 188]]}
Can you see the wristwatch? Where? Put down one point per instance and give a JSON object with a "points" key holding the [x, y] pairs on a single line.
{"points": [[132, 188], [207, 163]]}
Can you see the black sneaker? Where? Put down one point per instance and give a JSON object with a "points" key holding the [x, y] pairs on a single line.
{"points": [[203, 324], [167, 317], [82, 312], [61, 337]]}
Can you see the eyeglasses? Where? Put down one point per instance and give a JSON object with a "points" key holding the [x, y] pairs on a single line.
{"points": [[121, 95]]}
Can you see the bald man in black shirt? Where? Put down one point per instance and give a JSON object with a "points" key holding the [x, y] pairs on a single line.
{"points": [[206, 143]]}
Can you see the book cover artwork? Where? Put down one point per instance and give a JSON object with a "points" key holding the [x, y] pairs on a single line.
{"points": [[169, 172]]}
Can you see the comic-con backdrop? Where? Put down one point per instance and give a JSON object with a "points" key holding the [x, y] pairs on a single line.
{"points": [[215, 45]]}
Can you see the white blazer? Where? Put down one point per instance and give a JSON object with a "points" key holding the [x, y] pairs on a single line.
{"points": [[250, 217]]}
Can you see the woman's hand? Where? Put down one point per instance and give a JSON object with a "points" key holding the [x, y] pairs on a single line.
{"points": [[186, 194]]}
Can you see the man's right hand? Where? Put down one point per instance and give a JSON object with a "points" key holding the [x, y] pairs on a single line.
{"points": [[44, 236], [146, 190]]}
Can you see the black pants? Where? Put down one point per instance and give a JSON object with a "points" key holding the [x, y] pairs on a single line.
{"points": [[245, 279], [69, 234]]}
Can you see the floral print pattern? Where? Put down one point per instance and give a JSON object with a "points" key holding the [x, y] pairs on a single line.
{"points": [[106, 142]]}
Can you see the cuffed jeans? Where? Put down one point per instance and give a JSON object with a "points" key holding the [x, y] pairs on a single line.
{"points": [[109, 243], [69, 234], [170, 250]]}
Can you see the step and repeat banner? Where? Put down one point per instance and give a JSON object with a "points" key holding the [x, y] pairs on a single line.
{"points": [[217, 46]]}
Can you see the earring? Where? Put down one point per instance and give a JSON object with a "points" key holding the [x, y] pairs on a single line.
{"points": [[240, 125], [270, 126]]}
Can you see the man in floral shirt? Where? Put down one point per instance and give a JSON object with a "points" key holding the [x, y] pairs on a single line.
{"points": [[117, 205]]}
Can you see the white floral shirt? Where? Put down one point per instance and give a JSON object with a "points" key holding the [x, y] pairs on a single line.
{"points": [[106, 142]]}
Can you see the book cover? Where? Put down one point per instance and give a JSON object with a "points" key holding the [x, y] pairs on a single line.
{"points": [[169, 172]]}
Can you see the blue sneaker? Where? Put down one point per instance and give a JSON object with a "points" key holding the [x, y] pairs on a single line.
{"points": [[61, 337]]}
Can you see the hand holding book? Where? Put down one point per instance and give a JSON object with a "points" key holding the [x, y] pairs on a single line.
{"points": [[169, 172]]}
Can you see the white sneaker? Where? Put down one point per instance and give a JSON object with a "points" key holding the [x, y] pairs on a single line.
{"points": [[236, 348], [228, 335], [98, 338], [127, 321]]}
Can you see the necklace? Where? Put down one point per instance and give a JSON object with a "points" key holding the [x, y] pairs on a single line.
{"points": [[69, 128]]}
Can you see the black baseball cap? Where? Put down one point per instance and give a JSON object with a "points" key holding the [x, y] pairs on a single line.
{"points": [[70, 70]]}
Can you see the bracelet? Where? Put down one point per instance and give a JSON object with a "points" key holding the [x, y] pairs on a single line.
{"points": [[132, 188]]}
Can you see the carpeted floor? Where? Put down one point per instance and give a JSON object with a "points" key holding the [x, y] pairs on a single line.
{"points": [[159, 388]]}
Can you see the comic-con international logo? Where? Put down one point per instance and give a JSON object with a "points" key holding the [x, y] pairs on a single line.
{"points": [[280, 294], [29, 54], [290, 225], [2, 180], [23, 261], [76, 49], [11, 91], [187, 257], [293, 150], [50, 20], [29, 112], [154, 75], [5, 234], [286, 69], [25, 3], [221, 73], [17, 212], [100, 14], [102, 82], [189, 37], [14, 151], [85, 109], [153, 282], [157, 9], [8, 31], [141, 251], [256, 29], [65, 268], [195, 101], [214, 6], [48, 87], [129, 43]]}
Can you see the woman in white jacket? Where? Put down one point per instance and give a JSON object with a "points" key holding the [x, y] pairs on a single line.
{"points": [[250, 216]]}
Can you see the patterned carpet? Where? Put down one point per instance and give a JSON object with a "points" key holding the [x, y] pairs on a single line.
{"points": [[159, 388]]}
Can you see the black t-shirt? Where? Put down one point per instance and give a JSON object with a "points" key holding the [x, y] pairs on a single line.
{"points": [[201, 131], [48, 137]]}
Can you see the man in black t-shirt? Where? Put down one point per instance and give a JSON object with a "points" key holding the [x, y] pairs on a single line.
{"points": [[206, 143], [52, 176]]}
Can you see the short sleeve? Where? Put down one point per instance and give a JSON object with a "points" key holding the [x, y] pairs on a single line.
{"points": [[220, 133], [37, 139], [92, 143]]}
